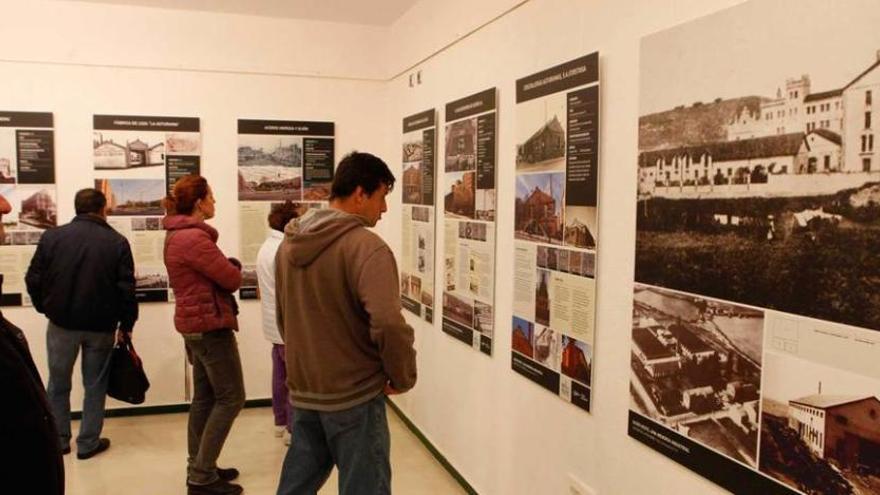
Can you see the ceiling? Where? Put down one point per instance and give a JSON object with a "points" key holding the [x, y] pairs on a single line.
{"points": [[369, 12]]}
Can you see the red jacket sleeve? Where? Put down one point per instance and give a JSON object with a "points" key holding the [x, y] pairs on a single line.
{"points": [[205, 257]]}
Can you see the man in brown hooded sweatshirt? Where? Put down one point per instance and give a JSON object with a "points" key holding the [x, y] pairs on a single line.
{"points": [[347, 343]]}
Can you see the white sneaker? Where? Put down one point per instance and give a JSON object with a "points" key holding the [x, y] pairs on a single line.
{"points": [[286, 435], [280, 431]]}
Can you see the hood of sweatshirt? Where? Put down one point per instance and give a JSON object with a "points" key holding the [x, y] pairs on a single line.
{"points": [[308, 236]]}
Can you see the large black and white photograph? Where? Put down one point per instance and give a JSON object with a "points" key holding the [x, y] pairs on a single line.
{"points": [[759, 180], [540, 135], [820, 427], [270, 167], [696, 368], [123, 150], [141, 197]]}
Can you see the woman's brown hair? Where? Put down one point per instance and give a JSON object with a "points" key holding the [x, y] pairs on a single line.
{"points": [[187, 190]]}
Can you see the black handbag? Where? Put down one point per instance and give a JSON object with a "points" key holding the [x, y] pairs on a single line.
{"points": [[127, 381]]}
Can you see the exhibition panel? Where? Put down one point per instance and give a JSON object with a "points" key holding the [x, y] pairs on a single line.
{"points": [[278, 160], [137, 160], [27, 181], [469, 220], [418, 226], [755, 309], [555, 228]]}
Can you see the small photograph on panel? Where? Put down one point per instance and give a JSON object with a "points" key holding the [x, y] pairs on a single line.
{"points": [[580, 226], [460, 194], [588, 265], [542, 298], [562, 261], [33, 207], [450, 273], [412, 183], [486, 205], [696, 368], [125, 150], [820, 427], [552, 258], [538, 208], [461, 145], [414, 288], [480, 231], [33, 237], [547, 345], [542, 254], [576, 262], [428, 297], [523, 333], [249, 277], [421, 214], [8, 153], [184, 143], [150, 277], [404, 284], [577, 360], [142, 197], [541, 134], [484, 320], [269, 167], [20, 238], [412, 148], [458, 309], [317, 190], [146, 223]]}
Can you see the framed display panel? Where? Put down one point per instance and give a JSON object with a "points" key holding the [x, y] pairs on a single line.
{"points": [[27, 182], [556, 228], [137, 159], [469, 172], [278, 160], [418, 258]]}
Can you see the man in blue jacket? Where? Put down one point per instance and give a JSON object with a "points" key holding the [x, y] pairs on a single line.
{"points": [[82, 278]]}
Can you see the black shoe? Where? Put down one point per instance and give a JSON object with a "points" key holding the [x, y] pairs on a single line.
{"points": [[227, 474], [103, 444], [65, 450], [219, 487]]}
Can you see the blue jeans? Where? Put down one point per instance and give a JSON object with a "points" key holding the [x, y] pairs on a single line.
{"points": [[355, 440], [63, 345]]}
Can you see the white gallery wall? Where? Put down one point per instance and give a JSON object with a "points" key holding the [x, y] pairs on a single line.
{"points": [[85, 63], [504, 434]]}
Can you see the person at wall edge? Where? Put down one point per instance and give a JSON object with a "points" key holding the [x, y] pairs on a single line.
{"points": [[82, 278], [348, 345]]}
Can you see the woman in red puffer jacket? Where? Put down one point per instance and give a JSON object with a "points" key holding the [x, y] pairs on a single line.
{"points": [[203, 280]]}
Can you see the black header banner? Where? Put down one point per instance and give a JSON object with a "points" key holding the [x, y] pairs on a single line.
{"points": [[421, 120], [141, 123], [483, 101], [535, 372], [26, 119], [578, 72], [286, 127]]}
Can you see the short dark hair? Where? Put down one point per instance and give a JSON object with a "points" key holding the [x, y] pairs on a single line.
{"points": [[89, 201], [360, 169], [281, 213]]}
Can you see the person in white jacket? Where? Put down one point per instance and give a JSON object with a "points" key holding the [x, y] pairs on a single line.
{"points": [[279, 215]]}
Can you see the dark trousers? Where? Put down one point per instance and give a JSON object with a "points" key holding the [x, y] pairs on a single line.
{"points": [[218, 396], [63, 346], [355, 440]]}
